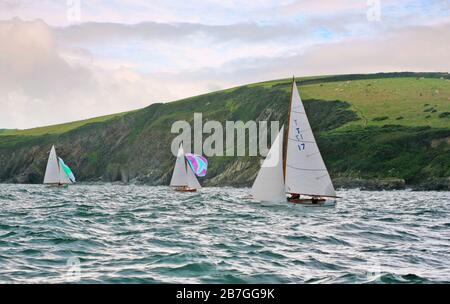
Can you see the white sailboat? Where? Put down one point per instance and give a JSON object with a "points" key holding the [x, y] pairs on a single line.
{"points": [[303, 172], [183, 178], [57, 173], [269, 183]]}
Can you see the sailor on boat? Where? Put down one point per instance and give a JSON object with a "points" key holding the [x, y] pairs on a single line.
{"points": [[314, 200]]}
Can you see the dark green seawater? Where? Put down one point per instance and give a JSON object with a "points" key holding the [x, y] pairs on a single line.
{"points": [[139, 234]]}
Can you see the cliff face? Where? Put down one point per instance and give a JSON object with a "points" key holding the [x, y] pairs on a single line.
{"points": [[136, 147]]}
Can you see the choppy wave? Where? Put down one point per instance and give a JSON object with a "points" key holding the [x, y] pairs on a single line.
{"points": [[139, 234]]}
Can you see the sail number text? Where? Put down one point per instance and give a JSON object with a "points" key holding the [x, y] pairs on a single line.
{"points": [[299, 136]]}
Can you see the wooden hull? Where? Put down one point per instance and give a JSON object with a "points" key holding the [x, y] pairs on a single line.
{"points": [[185, 190], [313, 203], [322, 202]]}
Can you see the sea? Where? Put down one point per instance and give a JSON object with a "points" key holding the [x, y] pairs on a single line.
{"points": [[109, 233]]}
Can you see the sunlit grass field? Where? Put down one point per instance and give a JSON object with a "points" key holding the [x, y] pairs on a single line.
{"points": [[405, 101], [60, 128]]}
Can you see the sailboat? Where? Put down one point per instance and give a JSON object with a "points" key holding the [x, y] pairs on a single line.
{"points": [[57, 172], [183, 177], [296, 167]]}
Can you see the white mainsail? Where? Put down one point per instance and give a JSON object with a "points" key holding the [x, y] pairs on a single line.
{"points": [[179, 175], [269, 184], [306, 172], [52, 174], [182, 175]]}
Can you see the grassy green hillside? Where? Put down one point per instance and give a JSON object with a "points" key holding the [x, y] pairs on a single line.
{"points": [[407, 101], [57, 129], [401, 101], [393, 127]]}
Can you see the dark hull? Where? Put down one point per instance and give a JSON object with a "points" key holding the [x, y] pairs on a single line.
{"points": [[57, 185], [313, 203]]}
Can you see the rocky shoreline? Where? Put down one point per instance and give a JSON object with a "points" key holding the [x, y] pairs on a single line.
{"points": [[391, 184], [339, 183]]}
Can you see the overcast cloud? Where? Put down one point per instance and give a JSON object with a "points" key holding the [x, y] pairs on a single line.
{"points": [[121, 57]]}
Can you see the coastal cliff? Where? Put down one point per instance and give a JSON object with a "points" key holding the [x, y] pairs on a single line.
{"points": [[376, 131]]}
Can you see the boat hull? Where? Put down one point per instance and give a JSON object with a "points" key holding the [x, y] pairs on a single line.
{"points": [[57, 185], [314, 203], [184, 190]]}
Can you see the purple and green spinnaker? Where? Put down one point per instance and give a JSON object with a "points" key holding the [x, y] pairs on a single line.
{"points": [[198, 163]]}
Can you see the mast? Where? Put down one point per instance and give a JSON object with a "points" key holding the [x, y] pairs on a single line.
{"points": [[286, 135], [306, 172]]}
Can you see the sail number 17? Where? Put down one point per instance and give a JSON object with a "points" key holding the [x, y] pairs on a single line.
{"points": [[299, 135]]}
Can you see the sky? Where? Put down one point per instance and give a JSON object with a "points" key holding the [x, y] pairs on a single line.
{"points": [[66, 60]]}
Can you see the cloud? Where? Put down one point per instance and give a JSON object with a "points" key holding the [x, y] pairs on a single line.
{"points": [[415, 48], [161, 47], [54, 12], [310, 6], [247, 32], [53, 75], [10, 5], [40, 86]]}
